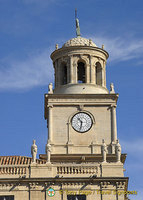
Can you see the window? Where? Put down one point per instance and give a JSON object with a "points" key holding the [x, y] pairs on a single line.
{"points": [[6, 197], [98, 74], [81, 72], [76, 197]]}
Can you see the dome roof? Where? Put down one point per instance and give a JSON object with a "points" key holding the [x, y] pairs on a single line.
{"points": [[81, 88], [79, 41]]}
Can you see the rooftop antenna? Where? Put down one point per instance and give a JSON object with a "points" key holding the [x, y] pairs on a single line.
{"points": [[77, 25]]}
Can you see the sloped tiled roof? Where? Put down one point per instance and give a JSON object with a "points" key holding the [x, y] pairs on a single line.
{"points": [[18, 160]]}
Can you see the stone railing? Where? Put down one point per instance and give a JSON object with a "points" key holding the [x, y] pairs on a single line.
{"points": [[13, 170], [77, 169]]}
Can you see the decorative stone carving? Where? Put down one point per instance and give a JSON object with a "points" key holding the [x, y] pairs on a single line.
{"points": [[105, 184], [102, 46], [120, 185], [82, 158], [81, 107], [50, 88], [74, 63], [13, 170], [112, 91], [48, 152], [79, 41], [81, 56], [104, 150], [33, 185], [118, 151], [77, 170], [77, 25], [34, 151], [57, 46], [90, 42]]}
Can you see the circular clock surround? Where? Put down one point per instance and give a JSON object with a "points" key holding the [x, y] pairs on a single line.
{"points": [[81, 122]]}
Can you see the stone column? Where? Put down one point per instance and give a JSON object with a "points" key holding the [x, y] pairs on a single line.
{"points": [[75, 71], [95, 73], [68, 71], [92, 71], [50, 123], [102, 76], [59, 72], [56, 73], [87, 74], [113, 123], [71, 69], [104, 65]]}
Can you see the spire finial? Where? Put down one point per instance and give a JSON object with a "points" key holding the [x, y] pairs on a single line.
{"points": [[77, 24]]}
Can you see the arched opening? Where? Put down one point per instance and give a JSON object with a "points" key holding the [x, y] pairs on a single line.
{"points": [[63, 74], [81, 72], [98, 74]]}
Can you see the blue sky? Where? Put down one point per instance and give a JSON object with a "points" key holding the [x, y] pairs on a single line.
{"points": [[29, 30]]}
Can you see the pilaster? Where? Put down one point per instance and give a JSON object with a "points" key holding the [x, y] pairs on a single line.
{"points": [[113, 123], [71, 70], [50, 123]]}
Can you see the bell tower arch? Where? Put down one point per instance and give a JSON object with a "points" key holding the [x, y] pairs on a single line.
{"points": [[81, 72]]}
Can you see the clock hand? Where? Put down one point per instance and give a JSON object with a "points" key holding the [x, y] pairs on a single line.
{"points": [[79, 119], [81, 124]]}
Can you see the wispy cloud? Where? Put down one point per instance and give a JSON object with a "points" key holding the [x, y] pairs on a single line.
{"points": [[34, 71], [121, 49]]}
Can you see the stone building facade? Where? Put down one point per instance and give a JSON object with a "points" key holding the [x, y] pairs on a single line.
{"points": [[83, 159]]}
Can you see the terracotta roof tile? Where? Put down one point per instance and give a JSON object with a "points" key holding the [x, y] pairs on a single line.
{"points": [[18, 160]]}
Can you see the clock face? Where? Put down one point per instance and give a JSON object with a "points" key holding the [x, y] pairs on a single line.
{"points": [[81, 122]]}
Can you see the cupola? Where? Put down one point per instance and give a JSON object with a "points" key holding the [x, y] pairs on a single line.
{"points": [[80, 67]]}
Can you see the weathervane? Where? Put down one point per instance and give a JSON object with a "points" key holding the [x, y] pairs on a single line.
{"points": [[77, 24]]}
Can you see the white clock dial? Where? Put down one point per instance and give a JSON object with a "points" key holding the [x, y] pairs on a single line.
{"points": [[81, 122]]}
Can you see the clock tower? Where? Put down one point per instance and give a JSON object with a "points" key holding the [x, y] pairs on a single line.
{"points": [[82, 130], [80, 111]]}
